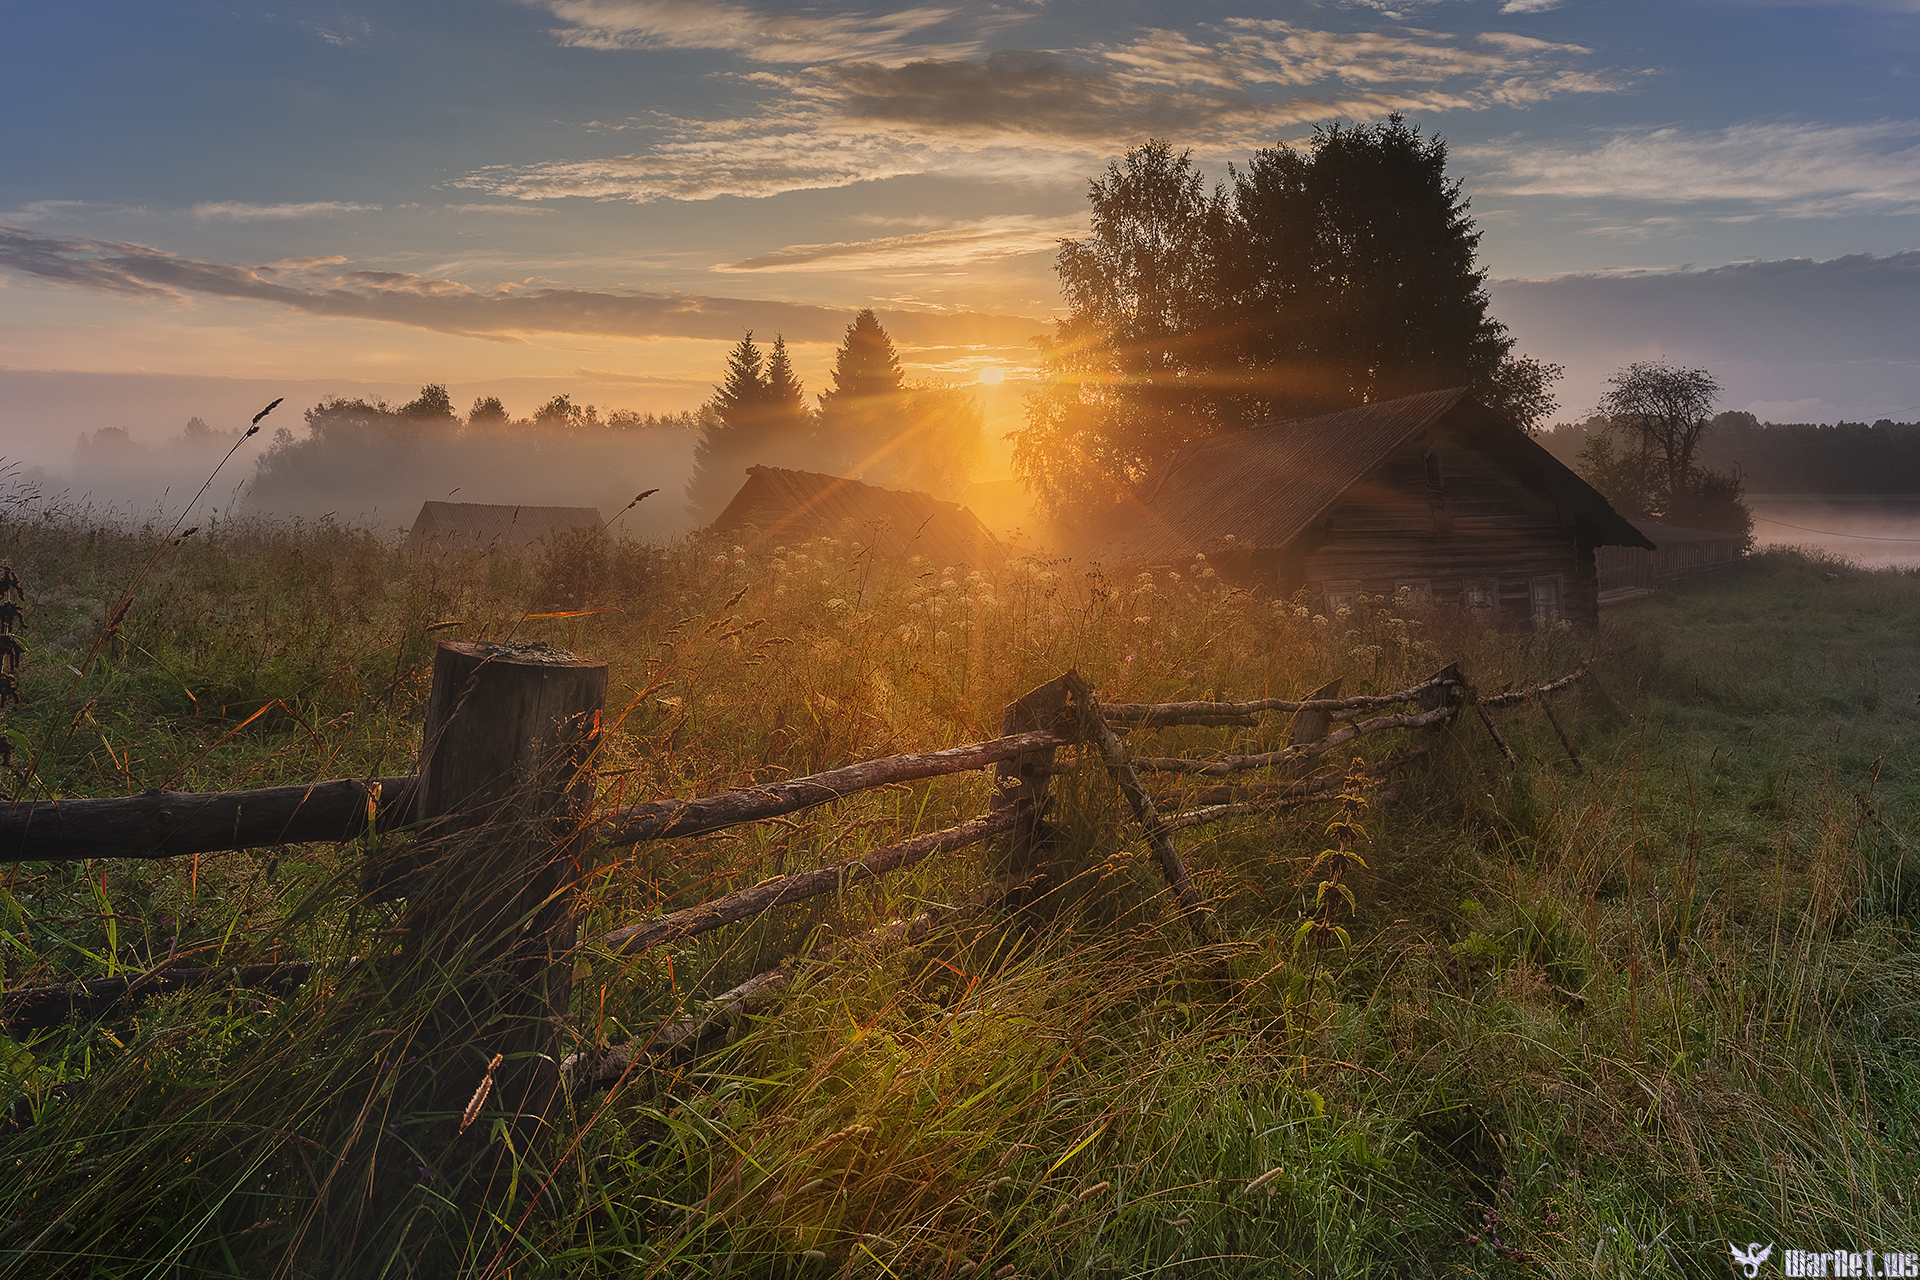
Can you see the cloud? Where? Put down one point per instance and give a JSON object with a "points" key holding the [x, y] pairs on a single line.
{"points": [[446, 306], [980, 241], [1844, 331], [754, 34], [1796, 170], [1529, 6], [1038, 115], [236, 211]]}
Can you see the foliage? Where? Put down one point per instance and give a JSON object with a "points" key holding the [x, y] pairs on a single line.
{"points": [[1590, 1023], [361, 459], [758, 416], [1659, 414], [1133, 369], [1332, 277]]}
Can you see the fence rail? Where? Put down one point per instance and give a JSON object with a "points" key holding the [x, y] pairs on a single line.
{"points": [[1064, 712]]}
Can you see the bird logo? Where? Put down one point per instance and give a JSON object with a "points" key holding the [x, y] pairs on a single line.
{"points": [[1750, 1257]]}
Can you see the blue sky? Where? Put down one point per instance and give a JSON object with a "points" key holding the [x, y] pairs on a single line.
{"points": [[206, 201]]}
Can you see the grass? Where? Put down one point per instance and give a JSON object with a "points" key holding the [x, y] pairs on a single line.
{"points": [[1591, 1022]]}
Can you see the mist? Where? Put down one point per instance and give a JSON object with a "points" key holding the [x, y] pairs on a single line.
{"points": [[370, 464], [1878, 531]]}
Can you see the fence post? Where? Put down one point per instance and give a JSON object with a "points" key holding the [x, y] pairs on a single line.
{"points": [[506, 781], [1311, 725], [1022, 782]]}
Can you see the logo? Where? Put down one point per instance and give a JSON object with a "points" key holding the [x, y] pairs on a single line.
{"points": [[1750, 1257]]}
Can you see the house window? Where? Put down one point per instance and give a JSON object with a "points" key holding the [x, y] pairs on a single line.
{"points": [[1546, 601], [1341, 595], [1481, 596], [1416, 594]]}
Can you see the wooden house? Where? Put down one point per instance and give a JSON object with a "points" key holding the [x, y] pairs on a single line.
{"points": [[776, 506], [479, 526], [1433, 494]]}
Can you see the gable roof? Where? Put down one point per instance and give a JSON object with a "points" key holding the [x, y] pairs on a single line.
{"points": [[1265, 485], [792, 506], [487, 524]]}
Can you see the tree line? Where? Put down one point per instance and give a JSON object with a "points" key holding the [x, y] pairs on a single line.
{"points": [[1315, 281], [1882, 457], [359, 458], [871, 424]]}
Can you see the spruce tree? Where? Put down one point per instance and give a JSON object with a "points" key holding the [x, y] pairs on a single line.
{"points": [[857, 416], [730, 435]]}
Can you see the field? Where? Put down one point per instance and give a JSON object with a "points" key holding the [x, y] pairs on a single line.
{"points": [[1589, 1021]]}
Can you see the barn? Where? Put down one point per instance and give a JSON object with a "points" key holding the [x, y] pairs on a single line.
{"points": [[1433, 494], [776, 506], [471, 526]]}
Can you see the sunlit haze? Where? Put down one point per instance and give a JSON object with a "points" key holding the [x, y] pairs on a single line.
{"points": [[206, 206]]}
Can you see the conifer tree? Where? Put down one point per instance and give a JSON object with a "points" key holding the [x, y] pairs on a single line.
{"points": [[732, 434], [858, 426]]}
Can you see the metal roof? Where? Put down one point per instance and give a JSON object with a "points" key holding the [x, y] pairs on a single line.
{"points": [[791, 506], [1265, 485], [486, 524]]}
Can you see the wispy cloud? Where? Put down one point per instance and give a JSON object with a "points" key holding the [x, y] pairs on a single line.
{"points": [[1794, 170], [1036, 115], [504, 313], [238, 211], [754, 33], [981, 241]]}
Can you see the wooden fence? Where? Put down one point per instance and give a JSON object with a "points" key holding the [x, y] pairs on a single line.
{"points": [[502, 807]]}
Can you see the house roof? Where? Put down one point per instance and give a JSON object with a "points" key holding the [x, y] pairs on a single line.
{"points": [[1265, 485], [490, 524], [790, 506]]}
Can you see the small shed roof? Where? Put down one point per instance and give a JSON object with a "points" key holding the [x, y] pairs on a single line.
{"points": [[490, 524], [791, 506], [1265, 485]]}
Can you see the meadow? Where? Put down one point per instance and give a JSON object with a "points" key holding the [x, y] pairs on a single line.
{"points": [[1592, 1020]]}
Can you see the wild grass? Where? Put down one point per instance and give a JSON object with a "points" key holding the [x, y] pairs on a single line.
{"points": [[1588, 1022]]}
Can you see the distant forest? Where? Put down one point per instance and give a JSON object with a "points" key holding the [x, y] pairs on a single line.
{"points": [[1791, 457]]}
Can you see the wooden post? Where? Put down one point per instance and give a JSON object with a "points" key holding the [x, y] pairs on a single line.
{"points": [[1311, 725], [506, 781], [1114, 753], [1023, 781]]}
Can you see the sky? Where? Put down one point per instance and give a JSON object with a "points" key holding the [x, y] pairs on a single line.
{"points": [[207, 205]]}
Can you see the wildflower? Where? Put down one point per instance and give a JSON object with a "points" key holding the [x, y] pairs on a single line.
{"points": [[720, 559], [836, 603], [1142, 621], [939, 637], [739, 551], [1319, 621]]}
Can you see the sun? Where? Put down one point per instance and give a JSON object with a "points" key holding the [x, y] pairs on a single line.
{"points": [[992, 375]]}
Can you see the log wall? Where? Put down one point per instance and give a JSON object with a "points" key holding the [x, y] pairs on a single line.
{"points": [[1482, 523]]}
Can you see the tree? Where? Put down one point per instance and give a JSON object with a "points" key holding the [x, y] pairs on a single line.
{"points": [[432, 405], [1131, 369], [786, 398], [859, 413], [1332, 277], [1657, 414], [488, 412], [561, 414], [758, 415]]}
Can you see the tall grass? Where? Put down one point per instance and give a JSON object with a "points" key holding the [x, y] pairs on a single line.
{"points": [[1589, 1022]]}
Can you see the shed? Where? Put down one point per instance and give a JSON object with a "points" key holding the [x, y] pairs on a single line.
{"points": [[778, 506], [1434, 493], [1679, 553], [480, 525]]}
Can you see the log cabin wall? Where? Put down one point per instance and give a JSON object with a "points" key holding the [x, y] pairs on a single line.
{"points": [[1445, 512]]}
